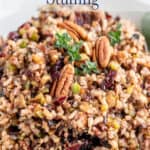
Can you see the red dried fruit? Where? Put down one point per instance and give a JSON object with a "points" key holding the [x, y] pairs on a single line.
{"points": [[13, 35], [86, 17], [60, 100], [108, 16], [109, 83], [2, 54], [83, 18], [74, 147], [55, 70], [26, 26]]}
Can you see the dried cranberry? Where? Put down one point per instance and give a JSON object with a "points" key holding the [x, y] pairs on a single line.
{"points": [[74, 147], [109, 83], [79, 19], [2, 54], [55, 75], [29, 74], [13, 35], [83, 18], [108, 16], [55, 70], [60, 100], [25, 25]]}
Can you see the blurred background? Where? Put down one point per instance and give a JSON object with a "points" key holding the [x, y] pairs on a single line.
{"points": [[14, 13]]}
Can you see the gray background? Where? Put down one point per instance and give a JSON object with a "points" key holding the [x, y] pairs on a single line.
{"points": [[14, 12]]}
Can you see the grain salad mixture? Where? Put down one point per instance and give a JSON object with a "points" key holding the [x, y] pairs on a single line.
{"points": [[74, 80]]}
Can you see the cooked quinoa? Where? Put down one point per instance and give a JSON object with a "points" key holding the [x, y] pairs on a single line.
{"points": [[74, 80]]}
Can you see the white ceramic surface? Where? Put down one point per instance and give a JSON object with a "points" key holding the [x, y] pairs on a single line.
{"points": [[14, 12]]}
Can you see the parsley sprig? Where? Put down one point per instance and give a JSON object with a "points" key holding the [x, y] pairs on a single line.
{"points": [[115, 36], [64, 41], [73, 51], [88, 68]]}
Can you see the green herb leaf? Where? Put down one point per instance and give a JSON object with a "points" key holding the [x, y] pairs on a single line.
{"points": [[115, 36], [87, 68], [63, 41], [78, 71], [73, 51]]}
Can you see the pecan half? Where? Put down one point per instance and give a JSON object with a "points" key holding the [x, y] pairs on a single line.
{"points": [[74, 29], [62, 85], [102, 52]]}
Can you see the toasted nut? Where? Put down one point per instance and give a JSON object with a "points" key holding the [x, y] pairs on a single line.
{"points": [[102, 52], [78, 29], [71, 32], [74, 36], [54, 56], [74, 29], [62, 86]]}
